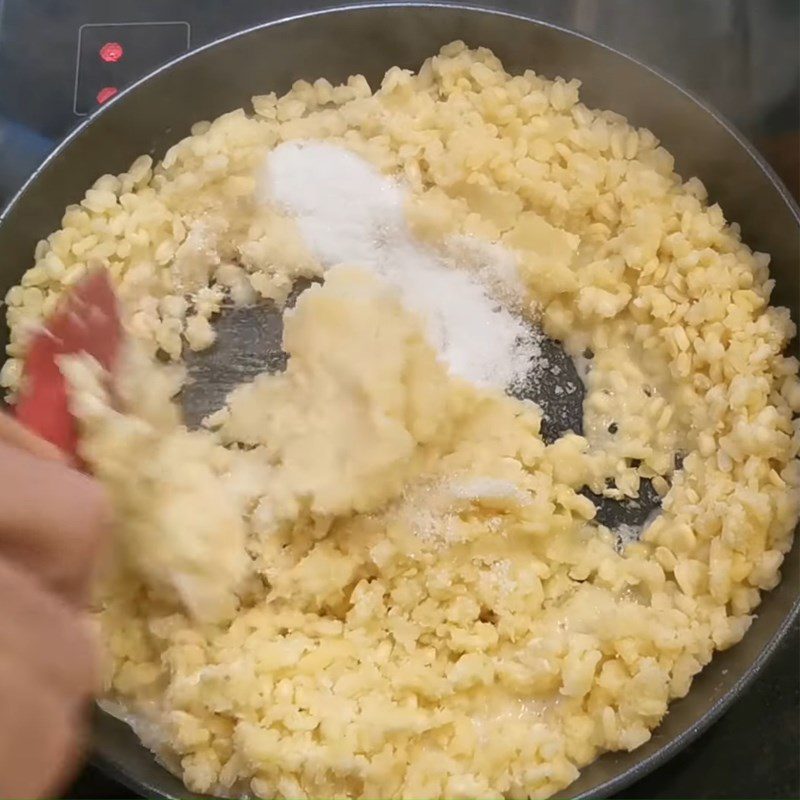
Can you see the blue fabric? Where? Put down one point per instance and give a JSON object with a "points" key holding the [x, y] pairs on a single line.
{"points": [[21, 151]]}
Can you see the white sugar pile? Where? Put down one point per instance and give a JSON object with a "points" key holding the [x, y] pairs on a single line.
{"points": [[489, 490], [502, 577], [428, 512], [348, 212], [624, 535], [494, 265]]}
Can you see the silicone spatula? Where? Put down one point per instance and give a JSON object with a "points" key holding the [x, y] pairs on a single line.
{"points": [[87, 321]]}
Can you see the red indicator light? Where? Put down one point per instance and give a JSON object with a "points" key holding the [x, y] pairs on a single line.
{"points": [[106, 93], [111, 52]]}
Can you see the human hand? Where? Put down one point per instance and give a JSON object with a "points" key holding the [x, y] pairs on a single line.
{"points": [[51, 523]]}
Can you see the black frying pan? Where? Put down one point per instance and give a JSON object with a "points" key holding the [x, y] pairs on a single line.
{"points": [[158, 111]]}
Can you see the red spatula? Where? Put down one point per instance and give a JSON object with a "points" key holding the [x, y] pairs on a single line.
{"points": [[87, 321]]}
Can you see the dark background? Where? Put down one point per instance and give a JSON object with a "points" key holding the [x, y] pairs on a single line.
{"points": [[742, 56]]}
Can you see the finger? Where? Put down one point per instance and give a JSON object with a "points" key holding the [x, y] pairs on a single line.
{"points": [[52, 520], [41, 734], [43, 631], [11, 432]]}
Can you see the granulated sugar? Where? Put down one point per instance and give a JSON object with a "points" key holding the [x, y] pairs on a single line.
{"points": [[624, 535], [488, 489], [495, 266], [428, 512], [500, 572], [348, 212], [433, 511]]}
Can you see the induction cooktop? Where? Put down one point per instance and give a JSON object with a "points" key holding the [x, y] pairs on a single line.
{"points": [[61, 59]]}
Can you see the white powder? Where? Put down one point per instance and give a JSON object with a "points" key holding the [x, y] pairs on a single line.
{"points": [[500, 709], [625, 534], [489, 489], [427, 511], [440, 530], [432, 511], [149, 728], [501, 577], [496, 266], [348, 212]]}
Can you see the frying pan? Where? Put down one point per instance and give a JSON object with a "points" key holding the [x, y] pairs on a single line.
{"points": [[159, 110]]}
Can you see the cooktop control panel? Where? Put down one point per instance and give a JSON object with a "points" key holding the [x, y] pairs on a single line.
{"points": [[62, 59], [111, 56]]}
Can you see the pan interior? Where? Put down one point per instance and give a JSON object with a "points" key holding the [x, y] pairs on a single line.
{"points": [[158, 112]]}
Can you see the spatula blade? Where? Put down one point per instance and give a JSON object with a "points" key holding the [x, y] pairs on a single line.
{"points": [[87, 321]]}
